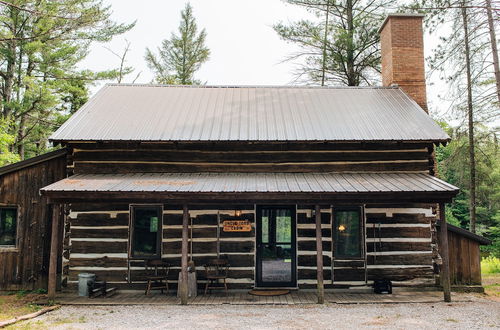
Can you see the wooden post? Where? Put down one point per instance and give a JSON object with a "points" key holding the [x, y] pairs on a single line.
{"points": [[54, 247], [319, 257], [443, 251], [184, 258]]}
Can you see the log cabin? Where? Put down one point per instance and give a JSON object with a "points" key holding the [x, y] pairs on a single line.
{"points": [[298, 187]]}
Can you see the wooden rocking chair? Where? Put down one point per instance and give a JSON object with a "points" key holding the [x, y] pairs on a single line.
{"points": [[157, 275], [216, 270]]}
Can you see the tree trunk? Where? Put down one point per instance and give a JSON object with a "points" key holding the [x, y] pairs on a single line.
{"points": [[21, 136], [470, 115], [9, 79], [323, 69], [351, 76], [494, 49]]}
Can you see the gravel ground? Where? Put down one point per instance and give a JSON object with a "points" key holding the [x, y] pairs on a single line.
{"points": [[479, 314]]}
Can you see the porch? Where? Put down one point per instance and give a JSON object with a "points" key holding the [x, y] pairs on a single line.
{"points": [[184, 220], [242, 297]]}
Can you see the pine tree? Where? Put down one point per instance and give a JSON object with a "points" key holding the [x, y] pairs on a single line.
{"points": [[342, 46], [42, 43], [462, 60], [182, 55]]}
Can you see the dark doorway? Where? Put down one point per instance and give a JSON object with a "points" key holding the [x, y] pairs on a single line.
{"points": [[276, 246]]}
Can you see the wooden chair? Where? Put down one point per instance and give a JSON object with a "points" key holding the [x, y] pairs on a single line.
{"points": [[215, 271], [157, 275]]}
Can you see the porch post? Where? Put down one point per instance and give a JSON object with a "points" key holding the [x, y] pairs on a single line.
{"points": [[319, 257], [184, 259], [445, 269], [54, 247]]}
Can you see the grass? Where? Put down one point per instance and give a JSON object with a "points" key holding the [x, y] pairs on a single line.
{"points": [[491, 284], [17, 303], [490, 265], [30, 325], [490, 272]]}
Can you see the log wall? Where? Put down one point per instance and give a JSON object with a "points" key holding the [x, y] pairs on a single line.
{"points": [[250, 157], [399, 245], [306, 246], [99, 244]]}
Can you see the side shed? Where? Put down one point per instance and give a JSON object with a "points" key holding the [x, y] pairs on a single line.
{"points": [[464, 256], [25, 220]]}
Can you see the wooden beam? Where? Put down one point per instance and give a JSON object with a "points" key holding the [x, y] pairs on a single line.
{"points": [[443, 251], [54, 247], [248, 197], [184, 257], [319, 257]]}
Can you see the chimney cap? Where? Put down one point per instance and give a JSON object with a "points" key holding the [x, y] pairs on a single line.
{"points": [[398, 15]]}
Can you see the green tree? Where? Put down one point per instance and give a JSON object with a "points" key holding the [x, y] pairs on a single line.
{"points": [[6, 139], [182, 55], [451, 159], [42, 43], [342, 46], [465, 61]]}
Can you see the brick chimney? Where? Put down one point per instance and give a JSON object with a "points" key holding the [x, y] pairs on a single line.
{"points": [[402, 48]]}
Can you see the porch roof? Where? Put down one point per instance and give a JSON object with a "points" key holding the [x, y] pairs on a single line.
{"points": [[258, 185]]}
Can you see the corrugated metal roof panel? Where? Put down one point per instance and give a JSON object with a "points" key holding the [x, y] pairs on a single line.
{"points": [[252, 182], [246, 113]]}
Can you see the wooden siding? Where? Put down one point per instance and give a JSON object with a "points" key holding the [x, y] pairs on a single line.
{"points": [[26, 266], [465, 260], [250, 157]]}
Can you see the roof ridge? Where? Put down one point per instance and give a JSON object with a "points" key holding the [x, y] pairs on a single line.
{"points": [[249, 86]]}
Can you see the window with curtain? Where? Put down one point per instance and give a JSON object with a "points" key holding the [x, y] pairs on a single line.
{"points": [[348, 233], [8, 226], [146, 232]]}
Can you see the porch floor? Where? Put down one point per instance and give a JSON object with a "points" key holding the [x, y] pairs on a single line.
{"points": [[243, 298]]}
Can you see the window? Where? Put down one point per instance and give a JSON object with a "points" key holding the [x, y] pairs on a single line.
{"points": [[146, 232], [347, 233], [8, 226]]}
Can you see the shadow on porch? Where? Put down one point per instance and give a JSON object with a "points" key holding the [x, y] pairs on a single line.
{"points": [[236, 297]]}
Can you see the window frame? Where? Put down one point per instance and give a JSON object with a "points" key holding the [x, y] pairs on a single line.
{"points": [[362, 249], [14, 246], [159, 237]]}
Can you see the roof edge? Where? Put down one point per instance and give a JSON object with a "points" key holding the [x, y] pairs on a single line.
{"points": [[436, 141], [466, 233], [32, 161]]}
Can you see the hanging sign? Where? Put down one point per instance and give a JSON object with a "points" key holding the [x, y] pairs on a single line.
{"points": [[236, 225]]}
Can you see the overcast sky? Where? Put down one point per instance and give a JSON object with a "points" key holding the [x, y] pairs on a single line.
{"points": [[245, 50]]}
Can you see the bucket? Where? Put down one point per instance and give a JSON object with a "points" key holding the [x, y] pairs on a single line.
{"points": [[83, 283]]}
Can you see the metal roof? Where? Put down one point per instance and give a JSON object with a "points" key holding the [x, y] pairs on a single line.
{"points": [[32, 161], [249, 113], [252, 182]]}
